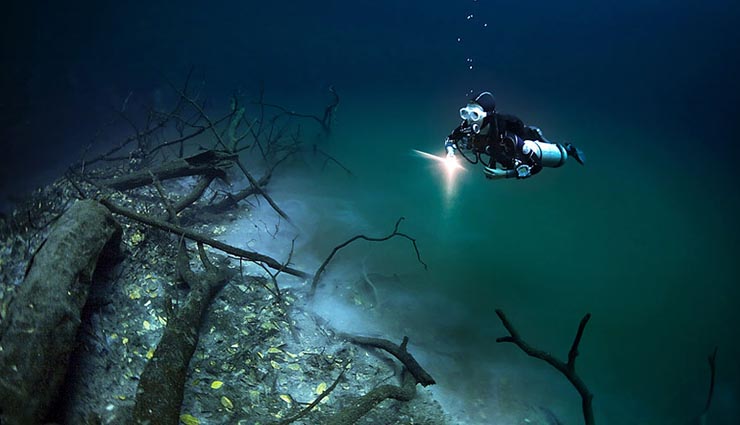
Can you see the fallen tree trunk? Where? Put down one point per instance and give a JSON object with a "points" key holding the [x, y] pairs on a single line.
{"points": [[208, 163], [39, 334], [160, 391]]}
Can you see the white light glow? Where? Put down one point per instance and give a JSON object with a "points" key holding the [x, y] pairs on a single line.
{"points": [[450, 167]]}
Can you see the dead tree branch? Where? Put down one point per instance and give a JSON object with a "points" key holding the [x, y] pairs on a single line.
{"points": [[567, 369], [330, 158], [702, 418], [324, 121], [255, 184], [194, 236], [171, 213], [220, 142], [361, 406], [395, 232], [194, 194], [398, 351]]}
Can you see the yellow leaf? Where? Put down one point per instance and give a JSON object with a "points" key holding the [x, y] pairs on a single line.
{"points": [[225, 402], [321, 388], [189, 419], [286, 398], [291, 355], [275, 365], [216, 384], [124, 340], [273, 350], [150, 353], [147, 325], [294, 367]]}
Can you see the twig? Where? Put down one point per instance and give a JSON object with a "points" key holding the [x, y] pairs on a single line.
{"points": [[220, 141], [712, 372], [314, 403], [567, 369], [395, 232], [171, 213], [325, 121], [255, 184], [332, 159]]}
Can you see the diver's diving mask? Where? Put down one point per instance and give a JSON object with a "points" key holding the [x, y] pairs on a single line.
{"points": [[473, 115]]}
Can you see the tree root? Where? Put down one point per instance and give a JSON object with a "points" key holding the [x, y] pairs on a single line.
{"points": [[160, 392], [362, 405]]}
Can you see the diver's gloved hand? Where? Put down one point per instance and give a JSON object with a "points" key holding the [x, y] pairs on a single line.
{"points": [[498, 173], [450, 148]]}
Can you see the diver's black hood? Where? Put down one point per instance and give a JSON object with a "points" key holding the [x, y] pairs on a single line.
{"points": [[486, 101]]}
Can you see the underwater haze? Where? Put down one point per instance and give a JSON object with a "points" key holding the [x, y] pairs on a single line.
{"points": [[644, 236]]}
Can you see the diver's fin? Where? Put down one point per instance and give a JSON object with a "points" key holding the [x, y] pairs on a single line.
{"points": [[575, 153]]}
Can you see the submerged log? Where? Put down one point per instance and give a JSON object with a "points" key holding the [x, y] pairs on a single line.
{"points": [[39, 334], [209, 163]]}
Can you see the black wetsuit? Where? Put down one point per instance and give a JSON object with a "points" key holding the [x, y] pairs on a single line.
{"points": [[501, 138]]}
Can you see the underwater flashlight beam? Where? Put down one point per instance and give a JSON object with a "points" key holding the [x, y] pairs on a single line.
{"points": [[451, 167], [450, 163]]}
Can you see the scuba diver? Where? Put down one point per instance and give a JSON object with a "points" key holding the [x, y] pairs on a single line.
{"points": [[503, 143]]}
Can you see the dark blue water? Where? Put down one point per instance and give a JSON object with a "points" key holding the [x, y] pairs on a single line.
{"points": [[644, 237]]}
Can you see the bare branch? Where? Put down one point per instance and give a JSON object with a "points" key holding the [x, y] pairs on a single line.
{"points": [[395, 232], [399, 352], [566, 369]]}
